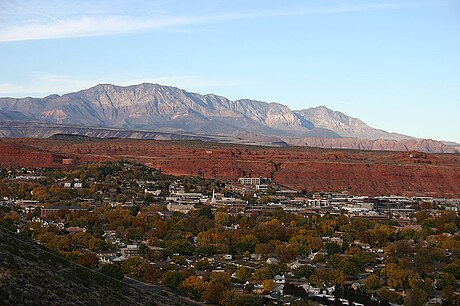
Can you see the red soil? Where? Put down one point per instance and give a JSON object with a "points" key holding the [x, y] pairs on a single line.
{"points": [[18, 155], [360, 172]]}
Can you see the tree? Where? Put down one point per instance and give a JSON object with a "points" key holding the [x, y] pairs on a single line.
{"points": [[95, 244], [372, 282], [13, 216], [202, 265], [300, 243], [243, 274], [389, 295], [264, 249], [217, 286], [134, 266], [222, 218], [193, 286], [60, 243], [232, 298], [304, 271], [247, 242], [179, 260], [454, 269], [152, 274], [89, 260], [285, 252], [180, 246], [415, 297], [380, 234], [268, 285], [263, 273], [332, 248], [445, 280], [265, 199], [173, 279]]}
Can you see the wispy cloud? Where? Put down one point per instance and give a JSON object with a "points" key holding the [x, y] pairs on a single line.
{"points": [[87, 24]]}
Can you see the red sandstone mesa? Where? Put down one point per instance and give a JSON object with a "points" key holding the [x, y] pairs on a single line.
{"points": [[360, 172]]}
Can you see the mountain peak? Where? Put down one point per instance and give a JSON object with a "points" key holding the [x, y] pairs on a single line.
{"points": [[148, 106]]}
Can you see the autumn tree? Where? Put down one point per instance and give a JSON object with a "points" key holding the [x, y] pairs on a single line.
{"points": [[217, 286], [88, 259], [193, 286]]}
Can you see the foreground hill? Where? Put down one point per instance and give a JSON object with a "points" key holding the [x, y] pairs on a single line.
{"points": [[31, 274], [360, 172], [146, 110]]}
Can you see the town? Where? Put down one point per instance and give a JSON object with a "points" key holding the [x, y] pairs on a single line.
{"points": [[251, 241]]}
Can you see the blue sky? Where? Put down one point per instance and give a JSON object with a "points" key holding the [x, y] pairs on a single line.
{"points": [[393, 64]]}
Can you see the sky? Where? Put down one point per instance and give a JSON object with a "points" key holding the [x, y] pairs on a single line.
{"points": [[393, 64]]}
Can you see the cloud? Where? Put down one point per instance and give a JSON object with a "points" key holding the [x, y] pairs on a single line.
{"points": [[85, 24]]}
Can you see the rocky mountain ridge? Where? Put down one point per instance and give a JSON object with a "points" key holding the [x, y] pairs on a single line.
{"points": [[137, 111], [165, 108]]}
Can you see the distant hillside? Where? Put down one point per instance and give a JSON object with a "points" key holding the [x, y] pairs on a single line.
{"points": [[169, 109], [421, 145], [31, 274], [137, 111]]}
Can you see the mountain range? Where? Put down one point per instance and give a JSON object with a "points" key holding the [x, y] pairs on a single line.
{"points": [[152, 111]]}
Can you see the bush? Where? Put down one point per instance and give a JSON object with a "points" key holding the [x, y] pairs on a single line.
{"points": [[112, 271]]}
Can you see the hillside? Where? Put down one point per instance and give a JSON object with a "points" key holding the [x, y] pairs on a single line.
{"points": [[31, 274], [311, 169]]}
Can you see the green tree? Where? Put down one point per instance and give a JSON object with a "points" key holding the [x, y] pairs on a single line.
{"points": [[332, 248], [372, 282], [202, 265], [243, 274], [304, 271], [232, 298], [134, 266], [173, 279], [222, 218]]}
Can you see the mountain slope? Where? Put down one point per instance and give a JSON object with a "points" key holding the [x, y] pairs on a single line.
{"points": [[422, 145], [148, 111], [165, 108], [345, 126]]}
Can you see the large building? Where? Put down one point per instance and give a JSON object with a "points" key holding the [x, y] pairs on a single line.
{"points": [[51, 211], [252, 180]]}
